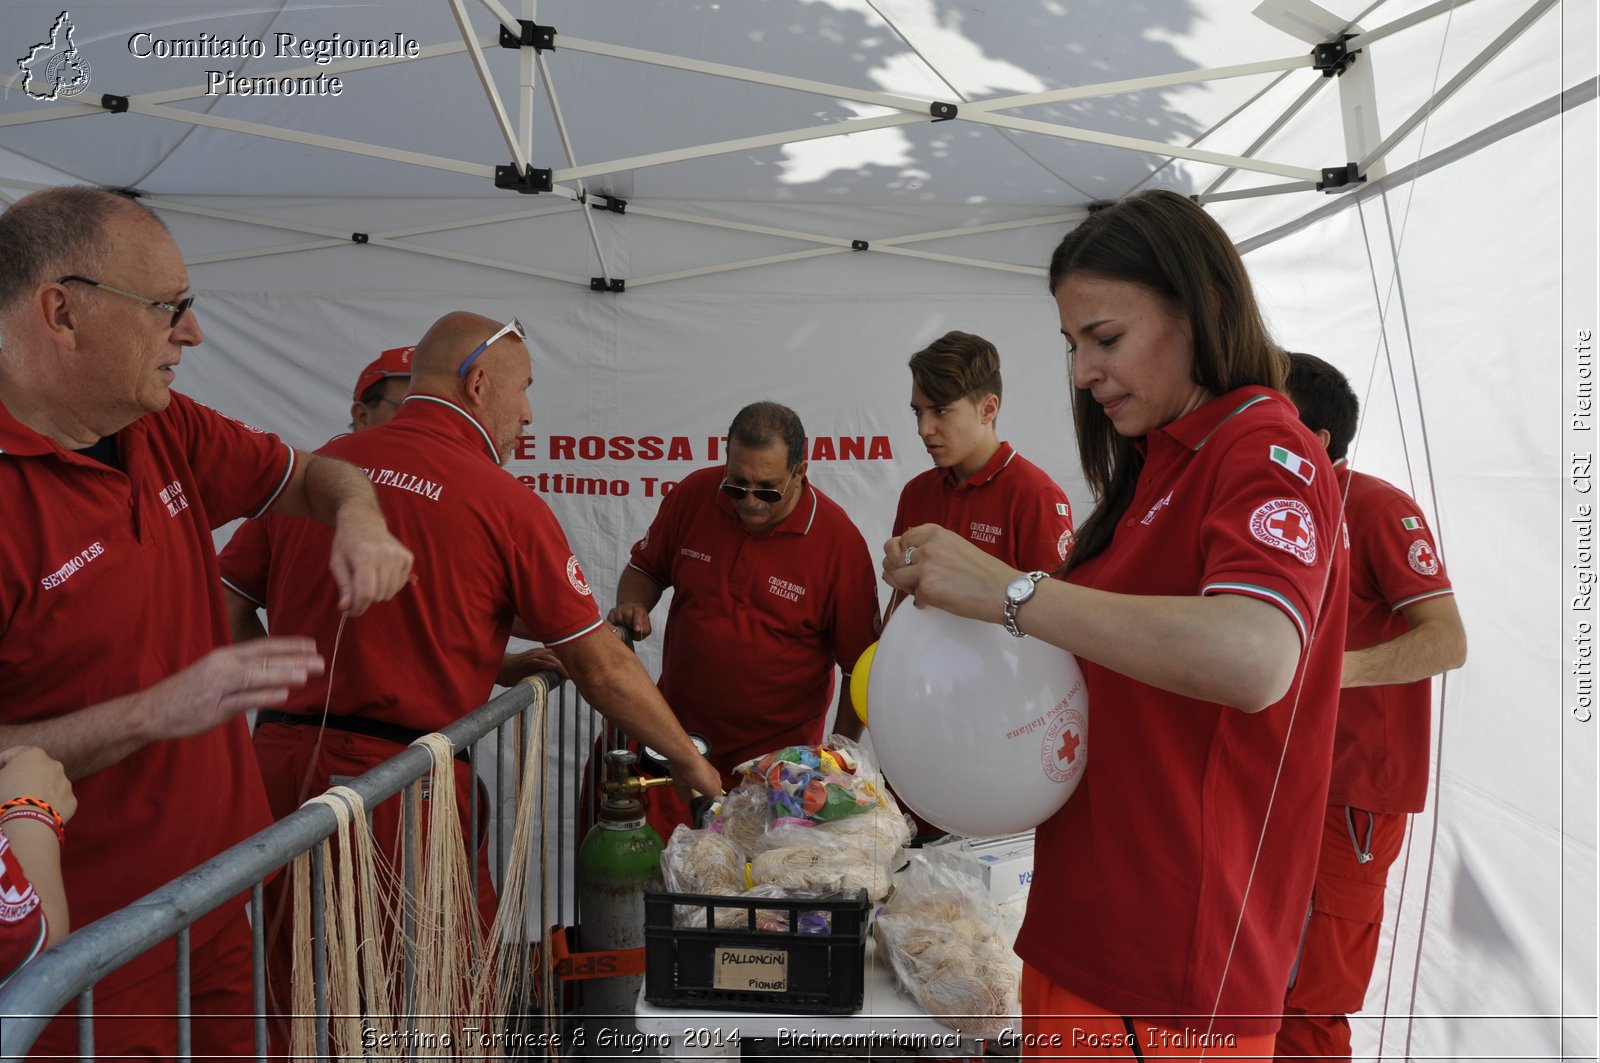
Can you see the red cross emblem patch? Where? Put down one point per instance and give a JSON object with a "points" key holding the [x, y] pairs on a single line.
{"points": [[1423, 560], [1286, 524]]}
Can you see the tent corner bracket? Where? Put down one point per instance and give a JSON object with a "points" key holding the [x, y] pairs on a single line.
{"points": [[532, 182], [1338, 178], [1333, 58], [603, 284], [530, 35]]}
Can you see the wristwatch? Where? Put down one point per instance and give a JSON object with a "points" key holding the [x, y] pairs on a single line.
{"points": [[1018, 591]]}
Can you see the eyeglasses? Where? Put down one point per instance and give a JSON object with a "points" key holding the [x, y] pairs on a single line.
{"points": [[510, 328], [178, 308], [764, 494]]}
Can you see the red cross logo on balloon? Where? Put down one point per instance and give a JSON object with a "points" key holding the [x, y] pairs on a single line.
{"points": [[1068, 750], [1286, 523]]}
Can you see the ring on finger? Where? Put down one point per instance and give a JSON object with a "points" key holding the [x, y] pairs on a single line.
{"points": [[910, 550]]}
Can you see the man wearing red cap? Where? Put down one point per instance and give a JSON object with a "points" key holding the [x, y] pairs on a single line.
{"points": [[381, 388]]}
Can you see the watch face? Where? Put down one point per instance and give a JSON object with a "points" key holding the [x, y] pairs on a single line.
{"points": [[1019, 589]]}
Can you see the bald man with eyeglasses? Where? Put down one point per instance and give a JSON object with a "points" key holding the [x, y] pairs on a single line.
{"points": [[773, 587]]}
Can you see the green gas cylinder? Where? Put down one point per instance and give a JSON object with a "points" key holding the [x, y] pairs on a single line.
{"points": [[620, 857]]}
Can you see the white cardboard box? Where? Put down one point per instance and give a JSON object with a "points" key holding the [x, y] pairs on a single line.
{"points": [[1003, 865]]}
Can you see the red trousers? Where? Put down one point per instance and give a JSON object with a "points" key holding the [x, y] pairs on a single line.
{"points": [[1342, 931], [138, 1020], [1059, 1024], [285, 754]]}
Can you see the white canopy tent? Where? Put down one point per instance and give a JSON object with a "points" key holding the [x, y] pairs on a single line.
{"points": [[764, 198]]}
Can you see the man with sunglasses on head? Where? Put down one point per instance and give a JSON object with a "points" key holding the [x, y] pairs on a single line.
{"points": [[114, 655], [772, 587], [489, 551], [380, 389]]}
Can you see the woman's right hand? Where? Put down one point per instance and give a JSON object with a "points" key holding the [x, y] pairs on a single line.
{"points": [[937, 567]]}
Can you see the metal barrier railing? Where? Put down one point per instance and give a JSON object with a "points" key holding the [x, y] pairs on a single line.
{"points": [[70, 969]]}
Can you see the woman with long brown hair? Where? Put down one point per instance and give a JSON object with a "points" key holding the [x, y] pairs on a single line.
{"points": [[1204, 599]]}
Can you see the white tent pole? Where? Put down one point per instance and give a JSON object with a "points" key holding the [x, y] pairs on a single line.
{"points": [[738, 73], [566, 146], [1364, 38], [504, 16], [743, 144], [725, 147], [471, 223], [1154, 147], [314, 140], [525, 68], [1451, 87], [844, 241], [1158, 81], [1358, 105], [263, 252], [933, 256], [1271, 131], [1256, 193], [475, 260], [727, 267], [486, 80]]}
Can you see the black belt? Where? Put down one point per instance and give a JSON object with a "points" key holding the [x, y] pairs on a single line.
{"points": [[361, 725]]}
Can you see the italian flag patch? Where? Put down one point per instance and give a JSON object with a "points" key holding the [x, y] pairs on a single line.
{"points": [[1297, 465], [1411, 523], [1061, 509]]}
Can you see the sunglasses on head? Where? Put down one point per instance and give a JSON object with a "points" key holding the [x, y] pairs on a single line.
{"points": [[768, 495], [510, 328]]}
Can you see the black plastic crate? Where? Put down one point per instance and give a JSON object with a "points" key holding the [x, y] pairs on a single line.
{"points": [[746, 969]]}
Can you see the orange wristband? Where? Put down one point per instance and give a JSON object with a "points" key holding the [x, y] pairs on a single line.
{"points": [[35, 808]]}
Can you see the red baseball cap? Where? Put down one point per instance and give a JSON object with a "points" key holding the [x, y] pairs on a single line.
{"points": [[394, 362]]}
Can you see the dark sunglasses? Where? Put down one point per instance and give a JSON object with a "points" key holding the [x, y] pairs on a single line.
{"points": [[765, 494], [177, 309]]}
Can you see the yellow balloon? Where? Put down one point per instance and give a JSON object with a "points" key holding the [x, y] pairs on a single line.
{"points": [[858, 682]]}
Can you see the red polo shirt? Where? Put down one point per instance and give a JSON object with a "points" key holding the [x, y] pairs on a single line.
{"points": [[1009, 509], [757, 622], [108, 584], [487, 549], [1140, 879], [1380, 750], [22, 923]]}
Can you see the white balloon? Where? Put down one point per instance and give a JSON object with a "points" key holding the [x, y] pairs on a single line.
{"points": [[980, 733]]}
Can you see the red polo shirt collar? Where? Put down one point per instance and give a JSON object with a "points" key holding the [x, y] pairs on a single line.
{"points": [[18, 440], [442, 415], [991, 468], [1192, 430]]}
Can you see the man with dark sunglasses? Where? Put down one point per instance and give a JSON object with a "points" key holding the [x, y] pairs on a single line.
{"points": [[489, 552], [114, 654], [772, 587]]}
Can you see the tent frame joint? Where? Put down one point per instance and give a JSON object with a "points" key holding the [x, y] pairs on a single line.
{"points": [[942, 112], [532, 35], [114, 104], [614, 204], [359, 238], [1341, 178], [859, 245], [1333, 58], [531, 182], [602, 284]]}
